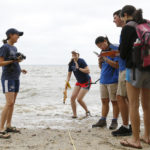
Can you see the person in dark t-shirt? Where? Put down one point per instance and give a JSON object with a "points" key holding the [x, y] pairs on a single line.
{"points": [[10, 79], [81, 72]]}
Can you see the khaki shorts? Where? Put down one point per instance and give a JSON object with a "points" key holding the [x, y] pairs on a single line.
{"points": [[122, 91], [109, 91]]}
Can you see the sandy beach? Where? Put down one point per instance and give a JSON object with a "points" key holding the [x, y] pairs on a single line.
{"points": [[80, 137], [49, 139]]}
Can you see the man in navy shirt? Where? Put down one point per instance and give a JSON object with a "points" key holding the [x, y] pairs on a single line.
{"points": [[125, 129]]}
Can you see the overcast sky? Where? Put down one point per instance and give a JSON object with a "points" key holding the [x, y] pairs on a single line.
{"points": [[52, 28]]}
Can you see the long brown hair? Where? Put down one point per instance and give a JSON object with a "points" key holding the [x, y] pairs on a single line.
{"points": [[138, 16], [71, 61]]}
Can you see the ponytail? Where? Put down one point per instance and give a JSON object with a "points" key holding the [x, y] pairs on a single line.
{"points": [[71, 61], [5, 40], [106, 38], [138, 16]]}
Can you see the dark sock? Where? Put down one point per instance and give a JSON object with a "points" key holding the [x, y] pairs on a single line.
{"points": [[114, 119], [103, 118]]}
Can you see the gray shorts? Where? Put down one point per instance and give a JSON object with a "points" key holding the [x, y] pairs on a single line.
{"points": [[142, 78]]}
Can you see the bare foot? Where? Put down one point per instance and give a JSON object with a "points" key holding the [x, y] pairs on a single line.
{"points": [[131, 143], [146, 140]]}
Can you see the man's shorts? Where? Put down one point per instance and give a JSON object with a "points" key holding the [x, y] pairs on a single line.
{"points": [[109, 91], [122, 91], [10, 86], [142, 78], [86, 85]]}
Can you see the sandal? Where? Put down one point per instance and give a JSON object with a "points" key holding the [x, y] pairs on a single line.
{"points": [[88, 114], [126, 143], [4, 135], [74, 117], [12, 129]]}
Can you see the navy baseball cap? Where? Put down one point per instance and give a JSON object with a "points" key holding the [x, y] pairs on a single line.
{"points": [[13, 31]]}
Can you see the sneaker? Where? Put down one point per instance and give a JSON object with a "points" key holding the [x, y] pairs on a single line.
{"points": [[101, 123], [130, 127], [114, 125], [122, 131]]}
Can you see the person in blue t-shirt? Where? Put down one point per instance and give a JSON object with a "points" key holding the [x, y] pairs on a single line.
{"points": [[81, 72], [10, 80], [108, 82]]}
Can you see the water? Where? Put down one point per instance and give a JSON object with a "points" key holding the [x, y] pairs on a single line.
{"points": [[40, 101]]}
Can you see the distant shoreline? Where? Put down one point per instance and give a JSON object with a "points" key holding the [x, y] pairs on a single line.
{"points": [[48, 65]]}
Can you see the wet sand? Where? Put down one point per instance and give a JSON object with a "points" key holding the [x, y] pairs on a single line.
{"points": [[49, 139]]}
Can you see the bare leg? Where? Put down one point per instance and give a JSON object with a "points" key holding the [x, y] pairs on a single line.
{"points": [[124, 109], [80, 97], [146, 109], [10, 112], [115, 109], [73, 98], [8, 106], [105, 107], [133, 95]]}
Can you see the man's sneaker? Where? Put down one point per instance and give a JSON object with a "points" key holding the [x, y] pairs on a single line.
{"points": [[101, 123], [130, 127], [122, 131], [114, 124]]}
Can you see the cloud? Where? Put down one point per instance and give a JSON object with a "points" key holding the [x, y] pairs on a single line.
{"points": [[53, 28]]}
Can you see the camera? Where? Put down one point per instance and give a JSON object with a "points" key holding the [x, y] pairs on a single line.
{"points": [[18, 56]]}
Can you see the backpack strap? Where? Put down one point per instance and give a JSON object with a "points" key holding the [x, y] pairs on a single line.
{"points": [[132, 24], [148, 21]]}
